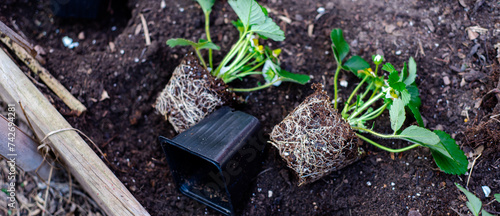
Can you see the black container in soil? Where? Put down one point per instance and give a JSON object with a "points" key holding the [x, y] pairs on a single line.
{"points": [[76, 8], [215, 161]]}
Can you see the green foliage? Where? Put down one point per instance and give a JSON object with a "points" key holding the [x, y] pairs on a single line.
{"points": [[355, 64], [474, 204], [202, 44], [339, 45], [249, 12], [397, 114], [397, 91], [246, 56], [420, 135], [497, 197], [412, 72], [269, 29], [448, 155], [206, 5]]}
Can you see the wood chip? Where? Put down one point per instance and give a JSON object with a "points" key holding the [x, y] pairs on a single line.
{"points": [[310, 30], [429, 24], [390, 28], [286, 19]]}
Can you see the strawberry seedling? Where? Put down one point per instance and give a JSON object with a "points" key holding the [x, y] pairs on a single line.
{"points": [[185, 102], [305, 138]]}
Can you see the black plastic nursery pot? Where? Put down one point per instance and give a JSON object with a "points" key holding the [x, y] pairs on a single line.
{"points": [[76, 8], [215, 161]]}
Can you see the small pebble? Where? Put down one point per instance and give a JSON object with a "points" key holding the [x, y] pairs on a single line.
{"points": [[368, 183], [398, 52], [393, 184], [113, 28], [321, 10], [446, 80], [181, 9], [270, 193], [486, 190], [81, 36]]}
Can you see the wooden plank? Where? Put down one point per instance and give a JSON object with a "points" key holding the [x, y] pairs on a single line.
{"points": [[94, 176]]}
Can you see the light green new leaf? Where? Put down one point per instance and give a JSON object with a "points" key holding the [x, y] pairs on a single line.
{"points": [[249, 12], [179, 42], [293, 77], [420, 135], [354, 64], [485, 213], [339, 45], [389, 68], [203, 44], [412, 72], [447, 155], [397, 114], [207, 45], [405, 96], [497, 197], [269, 29], [474, 203], [206, 5]]}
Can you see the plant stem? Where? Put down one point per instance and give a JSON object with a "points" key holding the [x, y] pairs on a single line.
{"points": [[201, 58], [238, 62], [229, 55], [335, 79], [366, 91], [366, 105], [207, 30], [254, 88], [352, 94], [386, 148], [375, 113]]}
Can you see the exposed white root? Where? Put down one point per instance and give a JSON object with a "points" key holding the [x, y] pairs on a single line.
{"points": [[314, 140], [189, 95]]}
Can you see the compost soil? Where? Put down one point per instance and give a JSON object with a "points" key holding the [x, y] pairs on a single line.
{"points": [[118, 78]]}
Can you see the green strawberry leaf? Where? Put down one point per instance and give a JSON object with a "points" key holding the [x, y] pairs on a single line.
{"points": [[249, 12], [397, 114], [485, 213], [474, 203], [269, 29], [339, 45], [389, 68], [293, 77], [412, 72], [420, 135], [448, 156], [355, 63], [206, 5], [203, 44], [497, 197], [416, 114]]}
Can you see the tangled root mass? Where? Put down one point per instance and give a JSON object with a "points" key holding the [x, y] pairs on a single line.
{"points": [[314, 140], [190, 95]]}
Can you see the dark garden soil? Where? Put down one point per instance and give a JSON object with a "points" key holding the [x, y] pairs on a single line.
{"points": [[455, 76]]}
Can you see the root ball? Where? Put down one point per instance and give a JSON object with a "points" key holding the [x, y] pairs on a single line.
{"points": [[314, 140]]}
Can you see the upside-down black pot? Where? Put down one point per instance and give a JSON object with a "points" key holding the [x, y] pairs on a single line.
{"points": [[215, 161], [76, 8]]}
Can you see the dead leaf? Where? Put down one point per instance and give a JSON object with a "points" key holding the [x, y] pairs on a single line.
{"points": [[104, 95], [472, 35]]}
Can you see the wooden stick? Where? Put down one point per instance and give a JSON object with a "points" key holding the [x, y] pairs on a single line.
{"points": [[146, 30], [45, 76], [94, 176]]}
